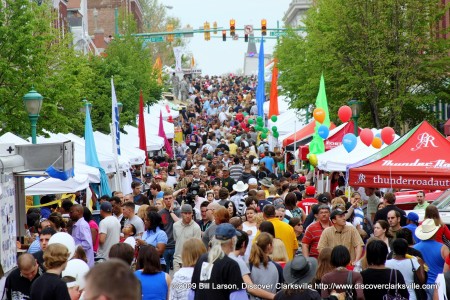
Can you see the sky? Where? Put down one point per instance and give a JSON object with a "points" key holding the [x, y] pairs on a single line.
{"points": [[216, 57]]}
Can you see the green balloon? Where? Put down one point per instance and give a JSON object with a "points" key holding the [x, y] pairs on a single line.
{"points": [[260, 123], [258, 128], [259, 119], [274, 128], [274, 118], [263, 135], [265, 130], [250, 121], [276, 134]]}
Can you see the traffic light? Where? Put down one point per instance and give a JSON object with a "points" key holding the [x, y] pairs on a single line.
{"points": [[263, 27], [206, 33], [215, 27], [170, 36], [232, 27], [224, 35], [246, 38]]}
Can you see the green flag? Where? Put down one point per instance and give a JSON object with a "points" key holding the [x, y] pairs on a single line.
{"points": [[317, 146]]}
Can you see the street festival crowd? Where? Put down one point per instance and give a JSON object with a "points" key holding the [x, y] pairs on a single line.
{"points": [[227, 218]]}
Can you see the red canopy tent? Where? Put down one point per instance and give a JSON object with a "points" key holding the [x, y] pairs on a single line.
{"points": [[335, 140], [305, 132], [418, 160]]}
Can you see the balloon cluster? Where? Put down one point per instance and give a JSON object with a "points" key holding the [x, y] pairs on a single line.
{"points": [[259, 126]]}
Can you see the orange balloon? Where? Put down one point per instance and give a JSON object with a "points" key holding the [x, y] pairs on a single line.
{"points": [[319, 115], [376, 143]]}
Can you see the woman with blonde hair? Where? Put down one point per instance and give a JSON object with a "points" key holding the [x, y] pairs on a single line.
{"points": [[142, 211], [279, 253], [49, 285], [192, 250], [263, 271]]}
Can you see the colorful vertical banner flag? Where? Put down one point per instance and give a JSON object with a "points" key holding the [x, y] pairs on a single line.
{"points": [[317, 145], [260, 93], [177, 52], [141, 128], [162, 134], [115, 120], [157, 67], [273, 107], [91, 158]]}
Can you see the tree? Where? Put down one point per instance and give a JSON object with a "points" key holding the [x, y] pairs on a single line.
{"points": [[386, 53]]}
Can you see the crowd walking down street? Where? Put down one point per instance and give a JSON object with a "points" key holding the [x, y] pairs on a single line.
{"points": [[227, 218]]}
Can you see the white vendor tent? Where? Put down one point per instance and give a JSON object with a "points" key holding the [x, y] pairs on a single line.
{"points": [[134, 154], [9, 137], [338, 158], [283, 105], [48, 185], [287, 122], [167, 112], [154, 142]]}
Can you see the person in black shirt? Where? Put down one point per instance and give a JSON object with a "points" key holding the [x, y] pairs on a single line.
{"points": [[204, 222], [49, 285], [19, 281], [216, 276], [389, 199]]}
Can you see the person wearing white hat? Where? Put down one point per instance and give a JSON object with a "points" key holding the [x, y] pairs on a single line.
{"points": [[239, 198], [434, 253]]}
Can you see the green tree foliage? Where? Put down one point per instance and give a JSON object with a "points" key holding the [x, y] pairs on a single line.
{"points": [[385, 53], [33, 52]]}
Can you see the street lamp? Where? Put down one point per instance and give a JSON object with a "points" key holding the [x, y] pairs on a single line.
{"points": [[33, 102], [86, 105], [119, 107], [355, 105]]}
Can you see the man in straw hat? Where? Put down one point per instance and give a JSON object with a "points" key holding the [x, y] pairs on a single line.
{"points": [[434, 253]]}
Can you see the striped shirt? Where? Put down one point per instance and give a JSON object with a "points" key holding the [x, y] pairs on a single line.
{"points": [[312, 237], [236, 171]]}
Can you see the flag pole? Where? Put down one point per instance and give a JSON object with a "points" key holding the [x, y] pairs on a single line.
{"points": [[114, 127]]}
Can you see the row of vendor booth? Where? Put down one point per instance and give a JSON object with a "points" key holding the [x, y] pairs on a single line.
{"points": [[420, 159]]}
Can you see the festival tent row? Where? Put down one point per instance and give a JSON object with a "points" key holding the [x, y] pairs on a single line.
{"points": [[419, 160], [154, 142], [83, 175], [338, 158]]}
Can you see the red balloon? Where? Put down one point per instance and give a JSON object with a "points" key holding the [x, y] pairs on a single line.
{"points": [[387, 135], [366, 136], [345, 113]]}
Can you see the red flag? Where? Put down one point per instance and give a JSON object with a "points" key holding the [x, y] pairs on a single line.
{"points": [[273, 106], [162, 134], [141, 128]]}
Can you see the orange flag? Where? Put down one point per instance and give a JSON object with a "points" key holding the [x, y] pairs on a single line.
{"points": [[273, 107], [158, 69]]}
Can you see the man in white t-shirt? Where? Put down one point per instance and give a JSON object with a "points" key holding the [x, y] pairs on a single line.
{"points": [[128, 209], [109, 230]]}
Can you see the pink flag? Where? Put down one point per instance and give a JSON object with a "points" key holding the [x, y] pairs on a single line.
{"points": [[141, 127], [162, 134]]}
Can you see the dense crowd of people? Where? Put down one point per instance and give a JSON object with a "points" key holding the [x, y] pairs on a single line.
{"points": [[226, 218]]}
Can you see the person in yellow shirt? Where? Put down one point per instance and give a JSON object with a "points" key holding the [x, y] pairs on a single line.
{"points": [[232, 146], [283, 231]]}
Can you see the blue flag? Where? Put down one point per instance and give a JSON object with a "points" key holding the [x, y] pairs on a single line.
{"points": [[115, 120], [91, 155], [260, 93]]}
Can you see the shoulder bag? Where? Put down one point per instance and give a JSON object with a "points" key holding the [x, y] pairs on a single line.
{"points": [[349, 288], [396, 295]]}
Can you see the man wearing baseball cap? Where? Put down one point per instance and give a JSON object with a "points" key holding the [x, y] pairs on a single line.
{"points": [[412, 221], [216, 268], [309, 201], [108, 230], [342, 234]]}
